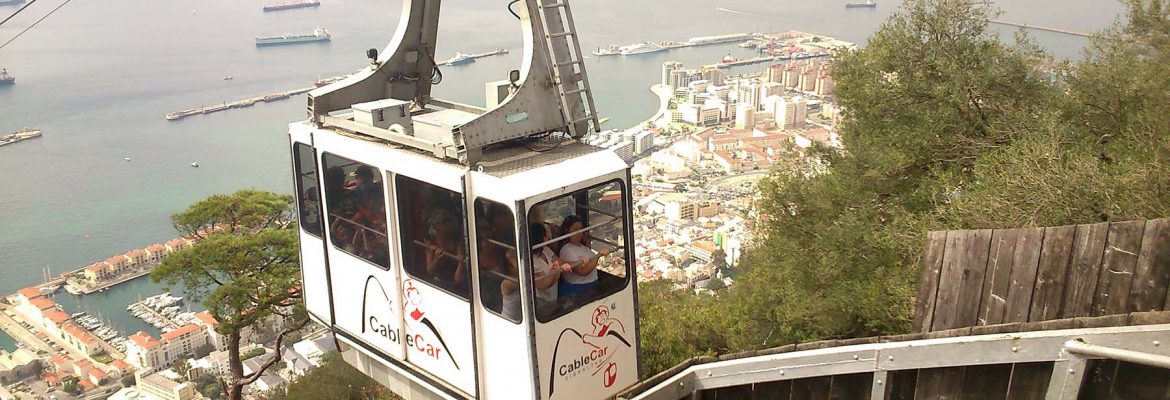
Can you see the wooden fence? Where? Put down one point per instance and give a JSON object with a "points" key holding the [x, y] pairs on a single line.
{"points": [[994, 276]]}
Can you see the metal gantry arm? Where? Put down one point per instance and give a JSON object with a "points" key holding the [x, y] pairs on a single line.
{"points": [[552, 94]]}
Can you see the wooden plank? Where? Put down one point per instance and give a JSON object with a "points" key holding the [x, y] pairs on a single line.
{"points": [[1023, 277], [811, 388], [999, 274], [1152, 275], [988, 382], [973, 278], [1117, 267], [777, 390], [950, 281], [1084, 270], [1029, 381], [1052, 272], [730, 392], [928, 282], [939, 383], [1099, 378], [851, 386], [902, 384], [1135, 381]]}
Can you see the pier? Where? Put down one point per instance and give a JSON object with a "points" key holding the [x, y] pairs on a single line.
{"points": [[248, 102], [1039, 28], [471, 57]]}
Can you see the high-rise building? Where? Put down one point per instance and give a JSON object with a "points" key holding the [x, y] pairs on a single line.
{"points": [[776, 73], [824, 85], [745, 117], [770, 89], [749, 93], [808, 81], [712, 74], [667, 69], [789, 113], [791, 76]]}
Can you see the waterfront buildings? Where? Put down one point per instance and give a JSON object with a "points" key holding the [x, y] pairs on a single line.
{"points": [[18, 365]]}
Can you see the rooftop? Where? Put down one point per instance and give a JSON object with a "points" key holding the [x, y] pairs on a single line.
{"points": [[30, 292], [42, 303], [144, 340], [177, 333]]}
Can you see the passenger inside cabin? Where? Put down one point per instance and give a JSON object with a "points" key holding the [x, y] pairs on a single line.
{"points": [[547, 270], [446, 260], [370, 219], [577, 253]]}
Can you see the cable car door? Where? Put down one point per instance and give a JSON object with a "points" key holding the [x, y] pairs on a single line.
{"points": [[306, 182], [436, 261], [363, 281], [586, 339], [502, 332]]}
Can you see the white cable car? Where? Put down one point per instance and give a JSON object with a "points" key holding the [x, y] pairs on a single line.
{"points": [[466, 252]]}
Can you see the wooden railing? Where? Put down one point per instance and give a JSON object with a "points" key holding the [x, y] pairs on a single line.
{"points": [[983, 277]]}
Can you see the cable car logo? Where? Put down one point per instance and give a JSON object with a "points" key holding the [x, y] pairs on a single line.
{"points": [[414, 301], [599, 355], [382, 328]]}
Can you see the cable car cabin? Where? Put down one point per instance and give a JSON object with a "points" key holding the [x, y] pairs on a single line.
{"points": [[465, 252]]}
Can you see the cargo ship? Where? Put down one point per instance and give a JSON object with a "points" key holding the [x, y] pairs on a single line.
{"points": [[867, 4], [23, 134], [290, 6], [6, 79], [318, 35]]}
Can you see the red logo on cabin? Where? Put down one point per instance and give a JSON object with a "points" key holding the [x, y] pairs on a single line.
{"points": [[602, 343]]}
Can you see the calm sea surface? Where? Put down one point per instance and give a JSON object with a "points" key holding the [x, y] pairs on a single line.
{"points": [[98, 77]]}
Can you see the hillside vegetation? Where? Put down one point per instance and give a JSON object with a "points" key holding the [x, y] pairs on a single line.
{"points": [[945, 126]]}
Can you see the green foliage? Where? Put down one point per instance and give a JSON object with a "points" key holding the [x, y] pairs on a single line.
{"points": [[127, 380], [676, 325], [256, 352], [181, 367], [334, 379], [71, 385], [944, 126], [209, 387], [244, 267]]}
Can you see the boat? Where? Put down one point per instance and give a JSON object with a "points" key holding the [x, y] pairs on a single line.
{"points": [[23, 134], [127, 158], [318, 35], [10, 2], [228, 78], [290, 6], [641, 48], [459, 59], [607, 51], [6, 79], [195, 165], [867, 4]]}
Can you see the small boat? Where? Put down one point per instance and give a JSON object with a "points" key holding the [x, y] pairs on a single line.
{"points": [[228, 78], [127, 158], [195, 165]]}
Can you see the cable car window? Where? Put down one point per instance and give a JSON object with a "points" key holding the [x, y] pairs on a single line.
{"points": [[308, 193], [434, 246], [499, 282], [357, 209], [578, 249]]}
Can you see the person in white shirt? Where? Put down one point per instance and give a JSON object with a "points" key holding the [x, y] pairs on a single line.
{"points": [[580, 257], [546, 272]]}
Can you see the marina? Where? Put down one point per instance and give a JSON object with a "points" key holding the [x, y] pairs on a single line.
{"points": [[21, 135], [163, 311], [461, 58], [248, 102]]}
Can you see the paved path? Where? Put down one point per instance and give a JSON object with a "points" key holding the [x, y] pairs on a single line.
{"points": [[20, 333]]}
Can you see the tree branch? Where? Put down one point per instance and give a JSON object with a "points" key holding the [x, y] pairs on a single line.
{"points": [[249, 378]]}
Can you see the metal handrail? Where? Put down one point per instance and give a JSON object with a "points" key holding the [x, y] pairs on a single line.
{"points": [[1067, 349], [570, 234]]}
